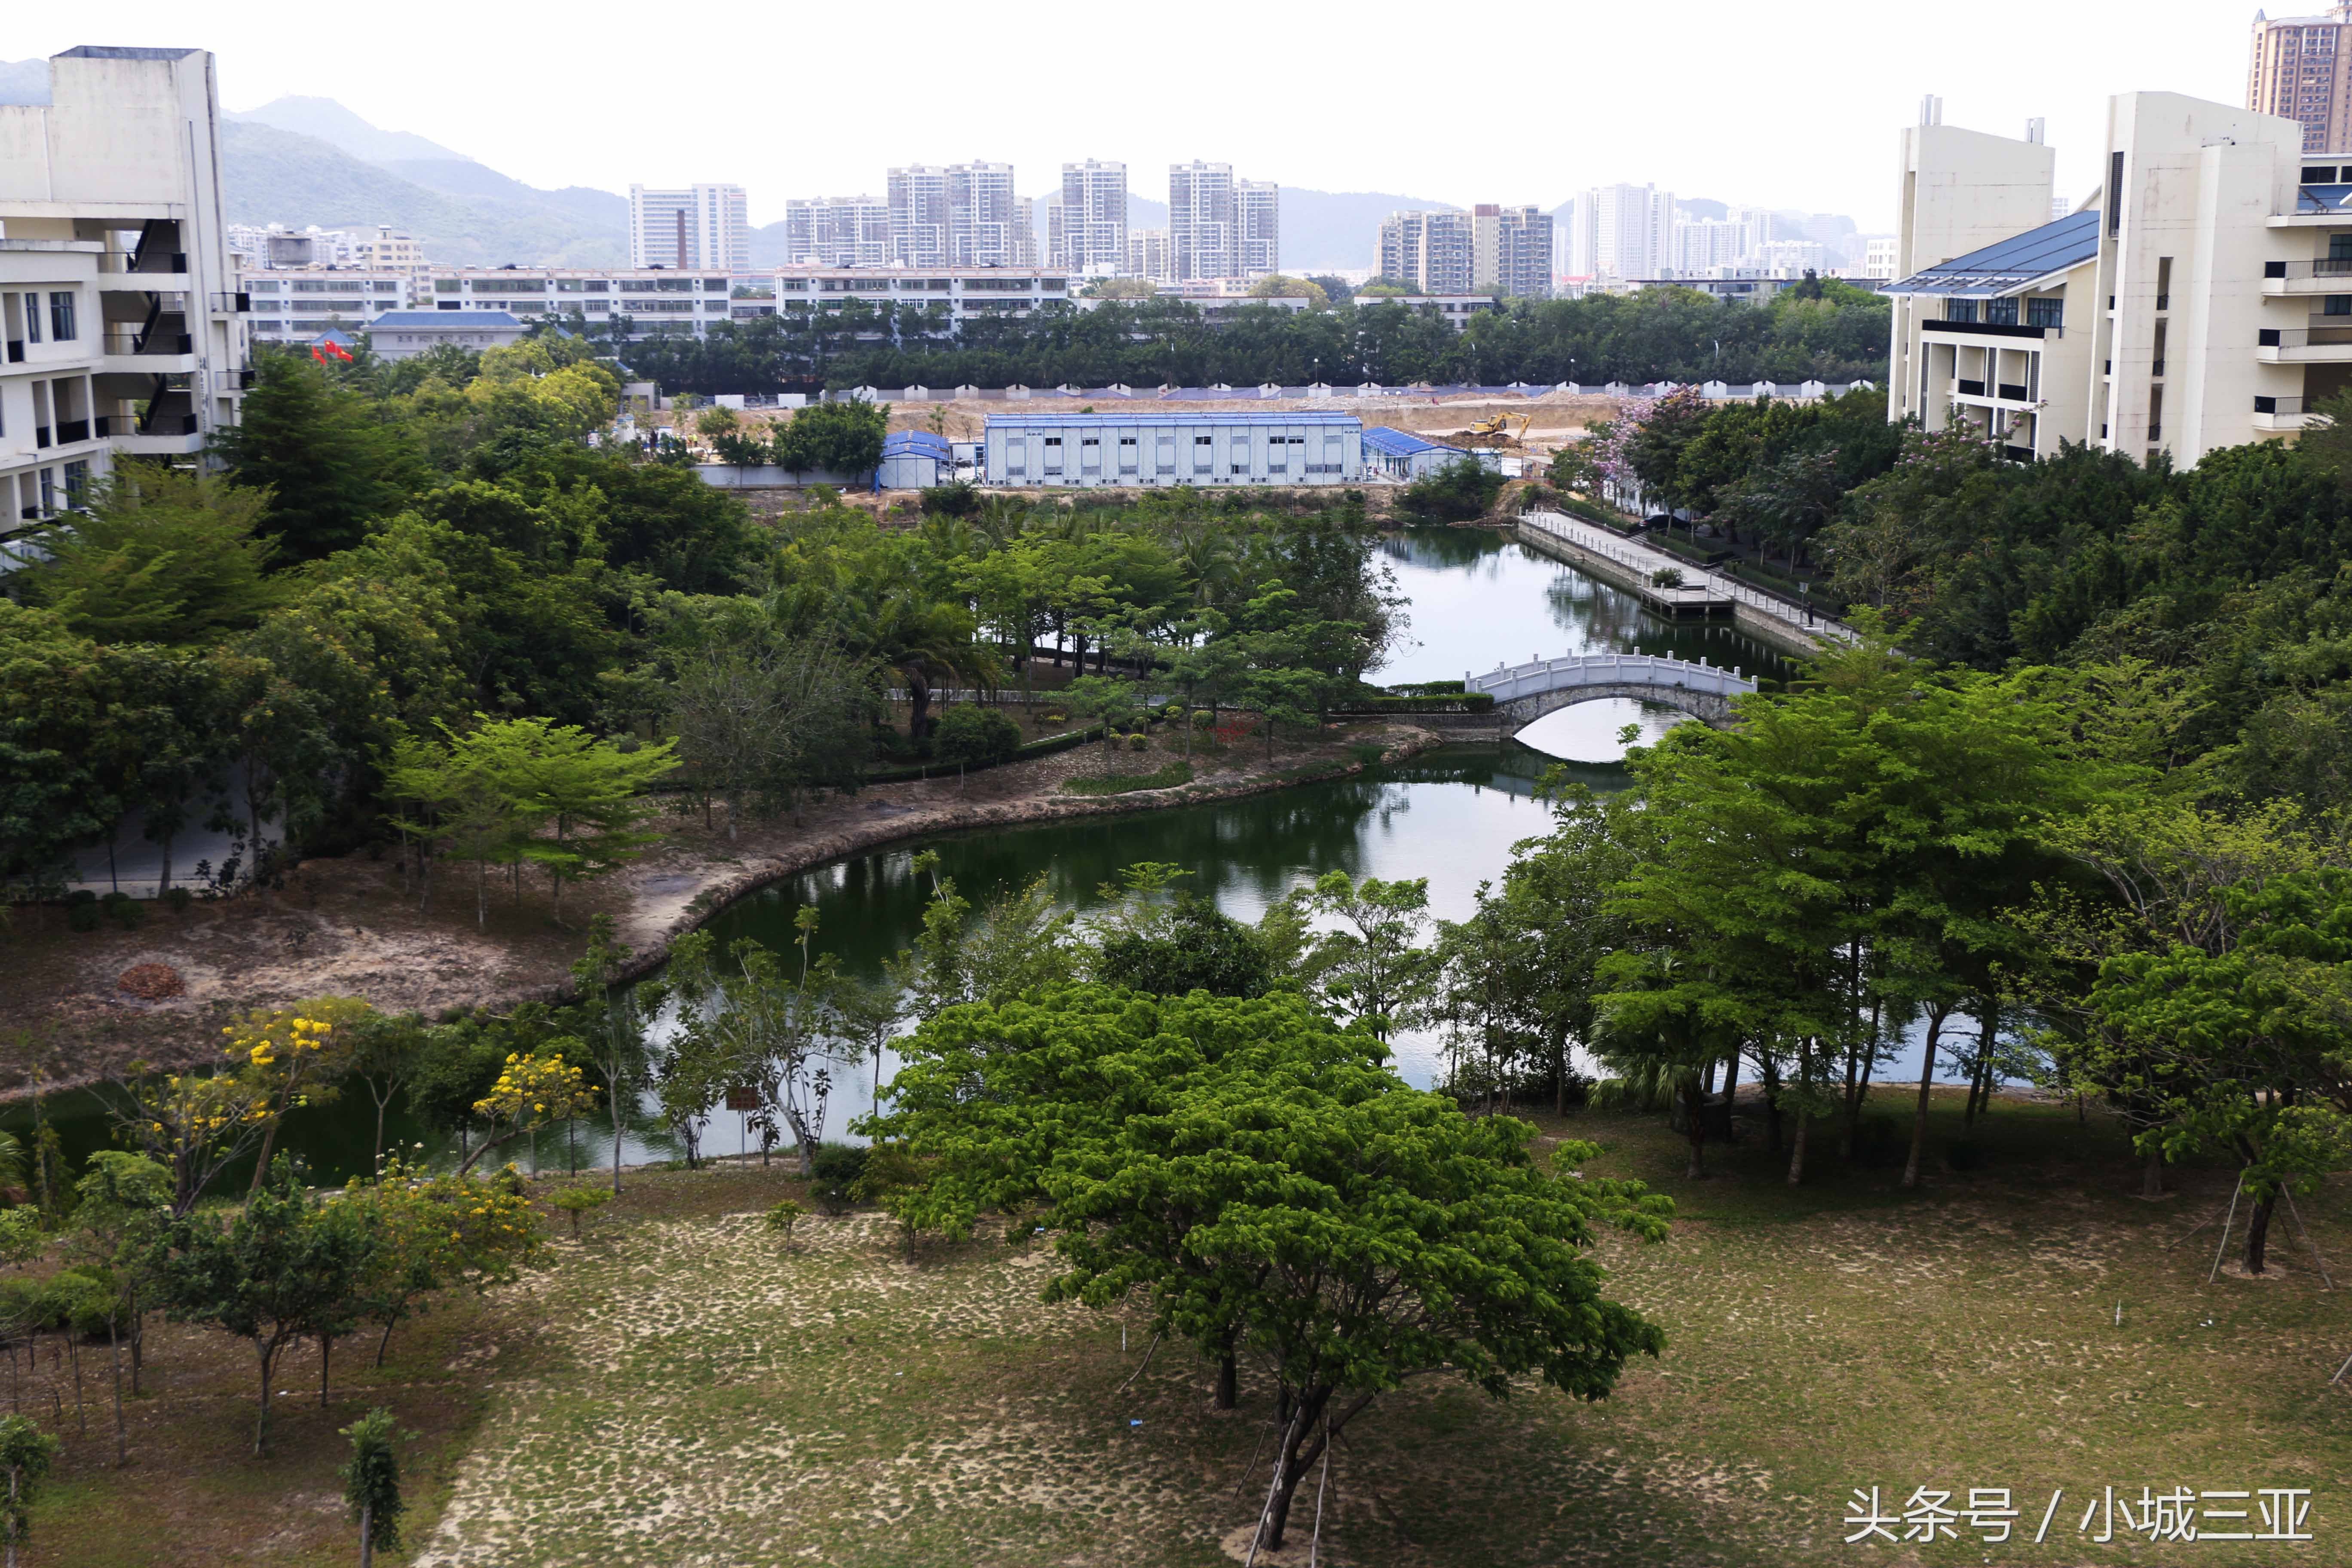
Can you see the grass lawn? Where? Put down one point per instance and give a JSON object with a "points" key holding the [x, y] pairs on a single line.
{"points": [[678, 1390]]}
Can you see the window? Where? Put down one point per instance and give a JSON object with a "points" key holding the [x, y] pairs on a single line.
{"points": [[1201, 440], [61, 315], [77, 482], [1959, 309], [49, 490], [2337, 305], [2045, 313], [2001, 312], [32, 318]]}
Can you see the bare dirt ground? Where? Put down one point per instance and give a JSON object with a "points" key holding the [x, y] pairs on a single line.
{"points": [[352, 927]]}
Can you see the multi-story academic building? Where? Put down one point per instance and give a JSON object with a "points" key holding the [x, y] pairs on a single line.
{"points": [[2199, 296], [123, 328]]}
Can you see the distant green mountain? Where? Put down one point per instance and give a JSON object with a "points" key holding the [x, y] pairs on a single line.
{"points": [[277, 176], [338, 127]]}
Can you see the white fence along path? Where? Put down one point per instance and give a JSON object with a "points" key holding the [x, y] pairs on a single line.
{"points": [[1507, 683], [1699, 585]]}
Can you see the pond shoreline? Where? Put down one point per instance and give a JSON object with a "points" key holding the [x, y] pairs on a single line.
{"points": [[351, 926]]}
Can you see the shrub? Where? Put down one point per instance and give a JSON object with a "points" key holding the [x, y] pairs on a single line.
{"points": [[1168, 777], [956, 498], [1667, 577], [837, 1168], [122, 909], [1203, 719], [82, 911], [1462, 489], [975, 736], [177, 900], [1138, 741]]}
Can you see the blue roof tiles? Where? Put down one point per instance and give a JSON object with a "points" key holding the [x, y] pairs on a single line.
{"points": [[1395, 443], [2013, 263]]}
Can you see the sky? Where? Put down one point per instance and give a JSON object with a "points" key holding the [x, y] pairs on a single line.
{"points": [[1793, 107]]}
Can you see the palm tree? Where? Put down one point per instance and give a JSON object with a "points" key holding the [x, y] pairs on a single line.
{"points": [[923, 640]]}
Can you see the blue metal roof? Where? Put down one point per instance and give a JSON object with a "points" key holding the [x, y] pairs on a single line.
{"points": [[1395, 443], [1130, 416], [2012, 264], [919, 441], [446, 319]]}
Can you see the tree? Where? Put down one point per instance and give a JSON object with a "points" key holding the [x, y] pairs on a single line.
{"points": [[533, 1092], [1370, 967], [271, 1274], [425, 1233], [762, 720], [160, 555], [971, 735], [578, 1201], [371, 1478], [124, 1201], [289, 1055], [782, 1215], [1464, 490], [327, 458], [611, 1019], [548, 776], [751, 1023], [842, 439], [1197, 948], [386, 1054], [25, 1453]]}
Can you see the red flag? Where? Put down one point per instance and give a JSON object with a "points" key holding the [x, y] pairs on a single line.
{"points": [[340, 351], [317, 353]]}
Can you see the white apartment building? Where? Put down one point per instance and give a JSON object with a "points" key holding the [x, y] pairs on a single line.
{"points": [[703, 225], [988, 221], [1086, 220], [1511, 250], [657, 300], [1201, 220], [2190, 302], [1430, 250], [837, 231], [921, 225], [1878, 256], [1150, 255], [1622, 231], [122, 326], [956, 294], [1702, 245], [1257, 228]]}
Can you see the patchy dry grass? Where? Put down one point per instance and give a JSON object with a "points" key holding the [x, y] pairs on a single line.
{"points": [[677, 1390]]}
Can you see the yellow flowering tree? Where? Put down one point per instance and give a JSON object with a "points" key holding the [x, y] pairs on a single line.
{"points": [[533, 1092], [286, 1055], [194, 1125], [432, 1234]]}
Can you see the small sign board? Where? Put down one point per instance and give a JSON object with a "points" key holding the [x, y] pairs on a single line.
{"points": [[743, 1096]]}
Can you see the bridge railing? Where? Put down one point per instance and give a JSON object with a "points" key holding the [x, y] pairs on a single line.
{"points": [[1506, 683], [1698, 583]]}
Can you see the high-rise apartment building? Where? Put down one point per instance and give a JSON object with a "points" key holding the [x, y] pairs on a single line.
{"points": [[919, 221], [1086, 221], [1257, 227], [2301, 70], [1510, 251], [1430, 251], [124, 329], [1702, 245], [701, 226], [1627, 231], [988, 222], [1201, 220], [1147, 255], [837, 231]]}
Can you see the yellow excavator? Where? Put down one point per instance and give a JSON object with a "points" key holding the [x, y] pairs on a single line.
{"points": [[1499, 430]]}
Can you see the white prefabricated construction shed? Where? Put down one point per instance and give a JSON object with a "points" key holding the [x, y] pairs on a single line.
{"points": [[1132, 447]]}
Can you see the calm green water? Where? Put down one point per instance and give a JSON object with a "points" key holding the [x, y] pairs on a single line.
{"points": [[1451, 815]]}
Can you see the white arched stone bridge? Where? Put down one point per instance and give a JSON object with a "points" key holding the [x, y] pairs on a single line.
{"points": [[1523, 693]]}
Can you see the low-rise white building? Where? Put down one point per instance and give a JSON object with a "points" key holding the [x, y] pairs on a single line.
{"points": [[404, 334], [2191, 302], [1457, 308], [123, 330], [1138, 448], [296, 304]]}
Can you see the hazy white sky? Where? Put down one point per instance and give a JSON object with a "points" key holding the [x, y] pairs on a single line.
{"points": [[1786, 105]]}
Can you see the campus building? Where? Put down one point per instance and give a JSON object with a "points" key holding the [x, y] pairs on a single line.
{"points": [[290, 304], [703, 225], [124, 329], [2199, 296], [1140, 448]]}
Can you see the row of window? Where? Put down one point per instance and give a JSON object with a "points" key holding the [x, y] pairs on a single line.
{"points": [[25, 309]]}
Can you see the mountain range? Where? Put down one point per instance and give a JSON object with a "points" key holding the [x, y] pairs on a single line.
{"points": [[301, 161]]}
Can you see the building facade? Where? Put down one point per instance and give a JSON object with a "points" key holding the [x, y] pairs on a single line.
{"points": [[1257, 228], [988, 220], [2190, 304], [837, 231], [1428, 251], [2300, 68], [921, 227], [1511, 250], [295, 305], [125, 330], [1148, 449], [699, 226], [1086, 220], [404, 334], [1148, 254], [1201, 228]]}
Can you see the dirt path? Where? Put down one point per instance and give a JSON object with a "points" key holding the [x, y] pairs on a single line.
{"points": [[353, 926]]}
